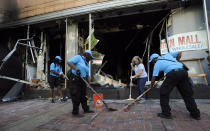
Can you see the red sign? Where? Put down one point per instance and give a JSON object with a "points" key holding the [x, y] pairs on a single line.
{"points": [[97, 101]]}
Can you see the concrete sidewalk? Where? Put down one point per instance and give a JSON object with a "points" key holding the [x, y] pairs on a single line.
{"points": [[41, 115]]}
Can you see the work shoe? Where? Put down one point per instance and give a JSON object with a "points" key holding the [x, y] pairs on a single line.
{"points": [[164, 116], [89, 111], [77, 115], [195, 117]]}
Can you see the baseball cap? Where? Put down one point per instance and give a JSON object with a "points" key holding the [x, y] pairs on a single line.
{"points": [[58, 57], [89, 52], [153, 56]]}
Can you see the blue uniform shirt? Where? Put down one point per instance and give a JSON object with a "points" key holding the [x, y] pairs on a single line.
{"points": [[80, 62], [165, 65], [57, 68]]}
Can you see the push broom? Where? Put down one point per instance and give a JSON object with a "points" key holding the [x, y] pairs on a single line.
{"points": [[126, 108], [88, 85], [106, 106]]}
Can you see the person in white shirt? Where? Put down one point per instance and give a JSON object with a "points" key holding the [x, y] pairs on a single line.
{"points": [[140, 74]]}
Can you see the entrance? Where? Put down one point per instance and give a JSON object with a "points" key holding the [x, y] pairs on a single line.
{"points": [[122, 38]]}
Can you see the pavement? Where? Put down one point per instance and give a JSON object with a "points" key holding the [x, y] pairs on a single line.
{"points": [[41, 115]]}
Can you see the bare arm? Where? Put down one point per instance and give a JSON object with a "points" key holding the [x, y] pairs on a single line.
{"points": [[72, 66], [179, 56], [132, 68], [139, 73], [152, 81], [55, 72], [88, 79]]}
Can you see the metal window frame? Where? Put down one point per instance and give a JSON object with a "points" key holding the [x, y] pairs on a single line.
{"points": [[76, 11]]}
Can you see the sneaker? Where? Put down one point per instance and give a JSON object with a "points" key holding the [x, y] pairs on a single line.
{"points": [[65, 99], [196, 118], [164, 116], [89, 111], [62, 99], [52, 100], [78, 115]]}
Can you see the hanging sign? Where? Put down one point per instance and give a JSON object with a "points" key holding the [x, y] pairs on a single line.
{"points": [[196, 40], [163, 47], [97, 62]]}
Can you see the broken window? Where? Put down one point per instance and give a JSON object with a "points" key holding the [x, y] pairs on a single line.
{"points": [[122, 38]]}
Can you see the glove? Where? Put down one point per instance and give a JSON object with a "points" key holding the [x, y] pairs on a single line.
{"points": [[65, 77], [132, 77], [61, 74], [78, 72]]}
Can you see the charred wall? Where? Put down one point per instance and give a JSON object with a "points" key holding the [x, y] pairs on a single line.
{"points": [[9, 10]]}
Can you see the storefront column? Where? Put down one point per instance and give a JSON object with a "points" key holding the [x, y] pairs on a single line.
{"points": [[71, 45], [89, 45]]}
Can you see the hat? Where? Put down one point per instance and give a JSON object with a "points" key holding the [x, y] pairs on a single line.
{"points": [[153, 56], [58, 57], [89, 52]]}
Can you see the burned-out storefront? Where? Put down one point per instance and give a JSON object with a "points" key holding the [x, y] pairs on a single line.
{"points": [[122, 38], [28, 51], [117, 34]]}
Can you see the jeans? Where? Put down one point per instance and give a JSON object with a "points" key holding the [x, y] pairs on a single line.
{"points": [[141, 85]]}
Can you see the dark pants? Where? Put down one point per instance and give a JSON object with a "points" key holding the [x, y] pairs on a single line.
{"points": [[178, 78], [54, 81], [78, 92], [141, 85]]}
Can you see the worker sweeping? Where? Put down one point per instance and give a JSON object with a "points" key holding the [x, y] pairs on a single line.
{"points": [[177, 76], [56, 74], [140, 75], [79, 67]]}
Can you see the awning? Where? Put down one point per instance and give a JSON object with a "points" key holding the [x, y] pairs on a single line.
{"points": [[102, 6]]}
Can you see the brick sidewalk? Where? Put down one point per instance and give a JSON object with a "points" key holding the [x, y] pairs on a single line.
{"points": [[25, 115], [141, 117]]}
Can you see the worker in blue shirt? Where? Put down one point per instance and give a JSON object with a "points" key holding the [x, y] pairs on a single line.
{"points": [[177, 76], [79, 65], [56, 74]]}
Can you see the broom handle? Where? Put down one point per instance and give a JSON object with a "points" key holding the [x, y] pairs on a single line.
{"points": [[144, 92], [93, 91], [139, 96]]}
